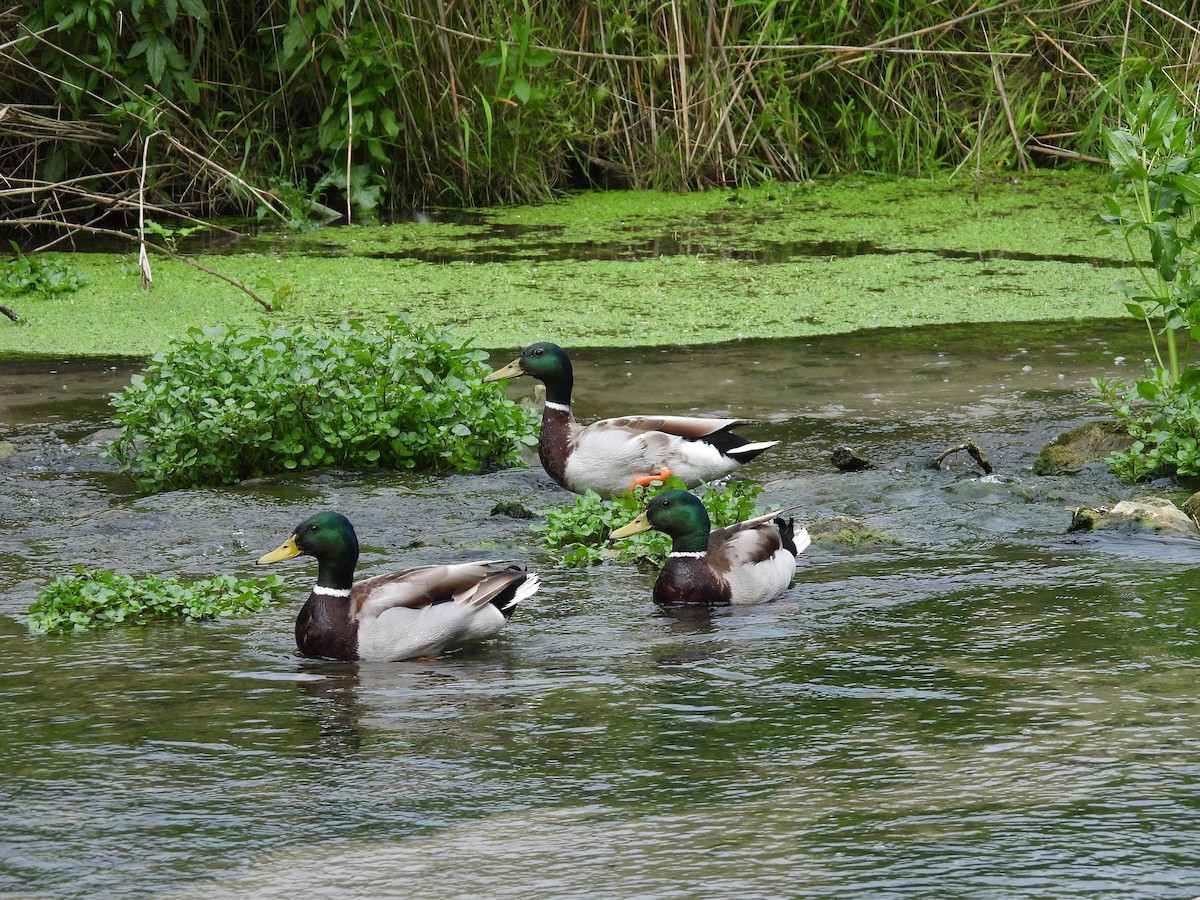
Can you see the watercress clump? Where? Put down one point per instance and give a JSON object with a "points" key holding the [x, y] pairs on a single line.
{"points": [[38, 274], [578, 534], [100, 598], [221, 406]]}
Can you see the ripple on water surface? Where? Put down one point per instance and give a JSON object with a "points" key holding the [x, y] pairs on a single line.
{"points": [[986, 707]]}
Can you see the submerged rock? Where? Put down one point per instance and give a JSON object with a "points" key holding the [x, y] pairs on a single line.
{"points": [[1149, 514], [1068, 452], [848, 460], [513, 510], [847, 531]]}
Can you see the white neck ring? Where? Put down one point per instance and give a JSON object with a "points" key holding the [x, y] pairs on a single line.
{"points": [[323, 591], [687, 554]]}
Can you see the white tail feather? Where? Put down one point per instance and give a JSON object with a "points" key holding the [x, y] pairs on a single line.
{"points": [[528, 588], [751, 448], [802, 540]]}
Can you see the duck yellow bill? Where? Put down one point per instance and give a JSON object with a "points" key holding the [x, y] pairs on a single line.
{"points": [[637, 526], [512, 370], [286, 550]]}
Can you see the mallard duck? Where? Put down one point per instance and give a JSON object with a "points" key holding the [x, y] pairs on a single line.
{"points": [[749, 562], [411, 613], [615, 455]]}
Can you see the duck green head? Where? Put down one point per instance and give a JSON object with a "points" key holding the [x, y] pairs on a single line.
{"points": [[330, 539], [679, 514], [546, 362]]}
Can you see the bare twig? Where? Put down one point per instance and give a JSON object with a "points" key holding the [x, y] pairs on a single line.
{"points": [[1057, 46], [8, 312], [880, 45], [972, 449], [143, 260], [1065, 154], [1170, 15], [1012, 125], [261, 196]]}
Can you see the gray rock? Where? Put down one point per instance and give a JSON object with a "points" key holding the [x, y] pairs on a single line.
{"points": [[1149, 514]]}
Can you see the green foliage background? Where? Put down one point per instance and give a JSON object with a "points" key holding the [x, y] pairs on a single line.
{"points": [[284, 107]]}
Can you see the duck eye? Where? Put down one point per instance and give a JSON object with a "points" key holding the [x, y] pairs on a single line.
{"points": [[314, 527], [539, 352]]}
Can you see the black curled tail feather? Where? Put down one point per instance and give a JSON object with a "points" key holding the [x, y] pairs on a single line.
{"points": [[503, 601], [725, 440], [787, 534]]}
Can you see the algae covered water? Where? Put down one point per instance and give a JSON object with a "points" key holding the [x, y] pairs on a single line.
{"points": [[987, 707]]}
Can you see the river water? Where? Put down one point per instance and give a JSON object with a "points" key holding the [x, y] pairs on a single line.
{"points": [[987, 708]]}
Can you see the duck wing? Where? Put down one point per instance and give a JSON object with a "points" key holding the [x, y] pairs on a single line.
{"points": [[443, 606], [757, 557], [689, 427], [472, 583]]}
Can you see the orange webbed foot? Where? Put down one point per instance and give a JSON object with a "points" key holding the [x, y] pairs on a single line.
{"points": [[647, 480]]}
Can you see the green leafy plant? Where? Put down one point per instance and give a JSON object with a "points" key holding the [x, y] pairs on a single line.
{"points": [[1165, 425], [40, 274], [172, 236], [101, 598], [219, 406], [578, 534], [1156, 191], [1156, 183]]}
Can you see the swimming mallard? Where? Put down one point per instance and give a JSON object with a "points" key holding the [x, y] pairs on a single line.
{"points": [[614, 455], [749, 562], [401, 615]]}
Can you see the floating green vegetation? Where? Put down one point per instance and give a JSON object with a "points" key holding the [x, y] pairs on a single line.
{"points": [[578, 534], [101, 598], [638, 268], [221, 406]]}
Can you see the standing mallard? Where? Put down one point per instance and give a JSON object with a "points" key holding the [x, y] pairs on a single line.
{"points": [[401, 615], [749, 562], [614, 455]]}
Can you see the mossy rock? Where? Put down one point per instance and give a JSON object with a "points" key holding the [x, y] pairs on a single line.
{"points": [[1148, 515], [847, 531], [1068, 452], [513, 510], [1191, 507]]}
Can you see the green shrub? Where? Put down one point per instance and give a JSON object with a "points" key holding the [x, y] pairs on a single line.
{"points": [[220, 406], [100, 597], [579, 533]]}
